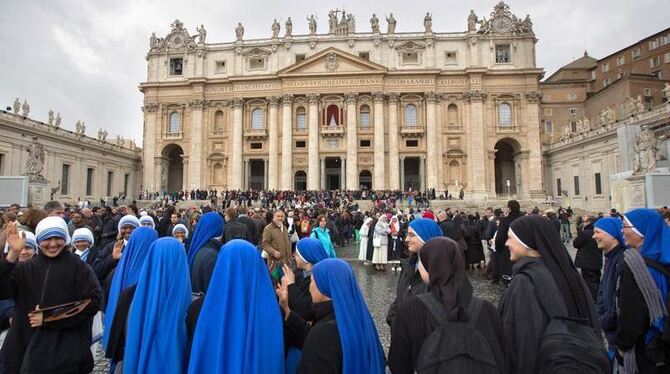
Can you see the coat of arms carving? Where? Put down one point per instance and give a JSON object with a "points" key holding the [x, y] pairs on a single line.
{"points": [[331, 61]]}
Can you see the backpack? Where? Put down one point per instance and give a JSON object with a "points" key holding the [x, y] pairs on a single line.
{"points": [[454, 346], [304, 226], [568, 345]]}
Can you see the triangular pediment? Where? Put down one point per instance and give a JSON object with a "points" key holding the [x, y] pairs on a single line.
{"points": [[332, 61]]}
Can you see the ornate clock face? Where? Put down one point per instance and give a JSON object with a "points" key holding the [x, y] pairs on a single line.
{"points": [[176, 40], [502, 24]]}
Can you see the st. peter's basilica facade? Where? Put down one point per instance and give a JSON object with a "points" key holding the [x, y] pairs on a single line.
{"points": [[347, 109]]}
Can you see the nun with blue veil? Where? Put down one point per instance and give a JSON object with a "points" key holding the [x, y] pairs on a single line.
{"points": [[204, 249], [343, 337], [122, 291], [239, 327], [308, 252], [156, 338]]}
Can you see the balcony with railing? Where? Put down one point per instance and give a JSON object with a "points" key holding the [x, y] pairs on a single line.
{"points": [[172, 135], [454, 127], [507, 129], [332, 131], [411, 130], [255, 134]]}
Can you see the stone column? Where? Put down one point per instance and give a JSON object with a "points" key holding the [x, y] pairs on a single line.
{"points": [[402, 173], [431, 143], [313, 146], [323, 173], [422, 173], [266, 164], [534, 145], [197, 146], [286, 144], [236, 154], [149, 148], [352, 146], [272, 165], [523, 189], [378, 178], [477, 158], [343, 170], [394, 182], [246, 175]]}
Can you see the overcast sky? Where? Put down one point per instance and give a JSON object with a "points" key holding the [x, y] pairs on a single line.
{"points": [[85, 59]]}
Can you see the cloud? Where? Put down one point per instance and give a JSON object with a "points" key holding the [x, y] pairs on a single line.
{"points": [[85, 58]]}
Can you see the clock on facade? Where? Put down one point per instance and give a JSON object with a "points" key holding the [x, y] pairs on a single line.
{"points": [[502, 24]]}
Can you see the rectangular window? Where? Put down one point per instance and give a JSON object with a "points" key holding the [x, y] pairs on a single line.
{"points": [[220, 67], [605, 67], [621, 60], [257, 63], [411, 143], [599, 187], [559, 187], [2, 163], [65, 179], [653, 44], [176, 66], [666, 58], [256, 145], [546, 98], [365, 143], [636, 53], [450, 58], [300, 144], [364, 55], [299, 58], [573, 111], [548, 127], [365, 118], [503, 54], [126, 180], [593, 74], [548, 112], [410, 58], [110, 180], [573, 126], [89, 181], [654, 62], [576, 185]]}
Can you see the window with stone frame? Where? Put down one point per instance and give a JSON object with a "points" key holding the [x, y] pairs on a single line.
{"points": [[503, 55], [257, 63], [176, 66], [410, 57], [364, 116], [89, 181], [548, 127], [65, 180], [301, 118], [174, 124], [504, 114], [410, 115], [257, 119]]}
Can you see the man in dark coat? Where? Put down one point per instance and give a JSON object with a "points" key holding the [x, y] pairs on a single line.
{"points": [[503, 255], [253, 235], [234, 229], [450, 228], [203, 265], [588, 259]]}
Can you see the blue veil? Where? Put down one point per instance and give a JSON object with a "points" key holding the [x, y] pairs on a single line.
{"points": [[361, 349], [612, 226], [209, 226], [656, 246], [240, 328], [311, 250], [127, 271], [157, 337], [425, 229]]}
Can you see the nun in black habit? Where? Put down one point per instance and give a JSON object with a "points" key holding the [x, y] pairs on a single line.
{"points": [[542, 265]]}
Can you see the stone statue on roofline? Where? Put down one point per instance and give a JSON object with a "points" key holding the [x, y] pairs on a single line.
{"points": [[472, 21], [311, 22], [428, 23], [26, 108], [17, 106], [374, 24], [275, 29], [239, 32], [391, 24], [58, 120], [51, 117], [202, 33], [288, 26]]}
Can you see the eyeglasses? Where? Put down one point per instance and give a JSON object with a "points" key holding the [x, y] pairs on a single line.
{"points": [[627, 227]]}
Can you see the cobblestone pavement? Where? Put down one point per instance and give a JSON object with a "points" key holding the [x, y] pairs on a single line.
{"points": [[379, 290]]}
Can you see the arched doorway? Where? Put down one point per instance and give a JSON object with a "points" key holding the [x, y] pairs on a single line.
{"points": [[300, 180], [507, 167], [365, 180], [172, 168]]}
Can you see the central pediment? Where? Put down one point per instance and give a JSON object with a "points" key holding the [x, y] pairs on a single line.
{"points": [[332, 61]]}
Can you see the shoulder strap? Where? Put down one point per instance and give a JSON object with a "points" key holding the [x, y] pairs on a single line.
{"points": [[434, 307], [474, 310], [663, 269]]}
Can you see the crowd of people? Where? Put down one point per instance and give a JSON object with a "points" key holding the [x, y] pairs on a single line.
{"points": [[235, 288]]}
